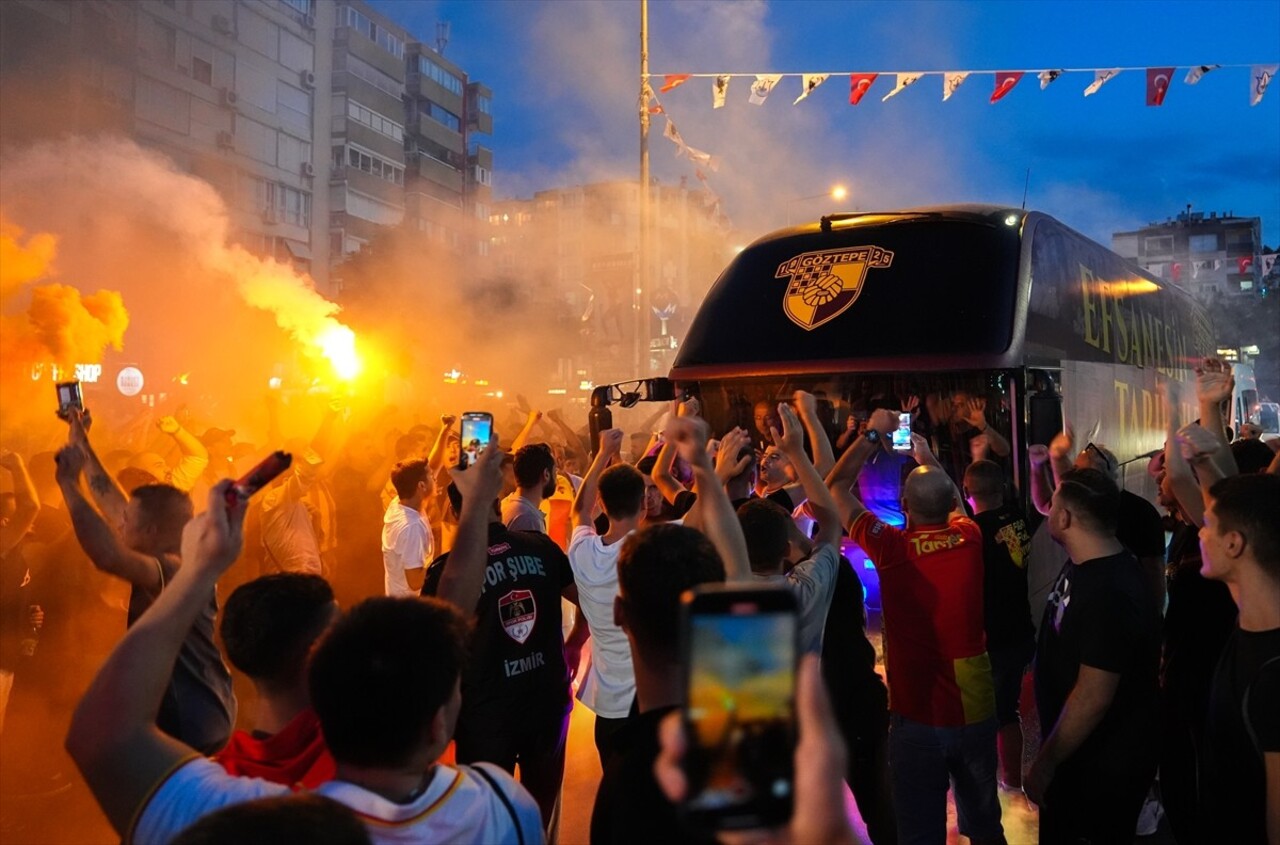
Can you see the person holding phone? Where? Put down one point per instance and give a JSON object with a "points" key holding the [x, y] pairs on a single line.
{"points": [[941, 691]]}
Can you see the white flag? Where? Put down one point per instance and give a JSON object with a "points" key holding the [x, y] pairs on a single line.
{"points": [[1197, 73], [673, 135], [706, 160], [1047, 76], [1197, 266], [1268, 264], [950, 82], [808, 82], [762, 86], [904, 79], [1100, 78], [719, 90], [1260, 77]]}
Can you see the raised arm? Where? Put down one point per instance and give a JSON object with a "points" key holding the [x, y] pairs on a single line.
{"points": [[194, 456], [463, 576], [96, 537], [844, 475], [435, 458], [1041, 486], [1186, 490], [667, 483], [924, 457], [715, 515], [1214, 387], [571, 438], [823, 458], [531, 422], [113, 736], [106, 492], [791, 443], [584, 502], [26, 501], [975, 413]]}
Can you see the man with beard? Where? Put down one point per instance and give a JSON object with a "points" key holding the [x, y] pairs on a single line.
{"points": [[535, 469]]}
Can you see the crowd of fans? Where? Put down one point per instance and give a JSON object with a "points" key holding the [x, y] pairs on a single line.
{"points": [[338, 697]]}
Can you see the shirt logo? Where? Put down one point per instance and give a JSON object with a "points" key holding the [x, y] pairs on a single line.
{"points": [[519, 613], [825, 283], [936, 543]]}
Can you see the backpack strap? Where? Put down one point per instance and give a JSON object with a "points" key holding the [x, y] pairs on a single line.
{"points": [[1244, 709], [502, 796]]}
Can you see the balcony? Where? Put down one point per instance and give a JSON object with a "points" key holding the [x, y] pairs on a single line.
{"points": [[436, 171]]}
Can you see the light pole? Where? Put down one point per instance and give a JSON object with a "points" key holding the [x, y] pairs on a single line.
{"points": [[837, 193]]}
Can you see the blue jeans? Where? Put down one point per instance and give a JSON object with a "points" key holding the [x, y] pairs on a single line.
{"points": [[924, 761]]}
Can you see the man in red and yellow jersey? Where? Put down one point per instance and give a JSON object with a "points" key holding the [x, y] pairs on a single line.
{"points": [[941, 696]]}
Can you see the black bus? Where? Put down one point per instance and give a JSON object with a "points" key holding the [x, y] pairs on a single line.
{"points": [[1002, 304]]}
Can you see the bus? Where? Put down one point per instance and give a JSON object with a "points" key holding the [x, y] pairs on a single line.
{"points": [[1006, 305]]}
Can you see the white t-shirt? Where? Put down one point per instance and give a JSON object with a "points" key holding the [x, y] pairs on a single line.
{"points": [[459, 805], [610, 685], [812, 581], [406, 544]]}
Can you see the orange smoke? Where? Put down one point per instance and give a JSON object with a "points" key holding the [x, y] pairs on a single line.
{"points": [[21, 263]]}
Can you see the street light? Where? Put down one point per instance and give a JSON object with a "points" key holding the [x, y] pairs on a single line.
{"points": [[837, 193]]}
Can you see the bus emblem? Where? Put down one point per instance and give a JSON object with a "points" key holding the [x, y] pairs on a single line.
{"points": [[823, 284]]}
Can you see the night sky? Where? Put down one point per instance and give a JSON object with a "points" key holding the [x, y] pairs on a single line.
{"points": [[565, 92]]}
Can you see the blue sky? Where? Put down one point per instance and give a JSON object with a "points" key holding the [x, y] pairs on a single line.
{"points": [[564, 80]]}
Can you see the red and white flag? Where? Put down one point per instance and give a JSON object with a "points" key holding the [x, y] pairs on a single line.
{"points": [[672, 81], [904, 80], [673, 135], [1268, 264], [950, 82], [1005, 80], [1100, 78], [762, 86], [808, 82], [1175, 270], [859, 84], [702, 159], [1047, 76], [1260, 77], [1245, 264], [1158, 79], [1197, 73], [719, 90]]}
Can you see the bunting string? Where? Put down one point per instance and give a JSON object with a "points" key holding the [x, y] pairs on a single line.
{"points": [[1159, 80]]}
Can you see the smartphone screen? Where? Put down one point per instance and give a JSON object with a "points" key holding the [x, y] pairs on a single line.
{"points": [[69, 396], [477, 429], [739, 706], [902, 434]]}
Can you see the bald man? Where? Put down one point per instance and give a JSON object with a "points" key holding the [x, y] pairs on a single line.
{"points": [[942, 718]]}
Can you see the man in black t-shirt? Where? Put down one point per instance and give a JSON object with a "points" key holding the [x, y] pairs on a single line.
{"points": [[1006, 545], [516, 696], [1095, 676], [1240, 545]]}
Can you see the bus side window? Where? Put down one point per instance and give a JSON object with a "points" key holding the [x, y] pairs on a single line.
{"points": [[1046, 418]]}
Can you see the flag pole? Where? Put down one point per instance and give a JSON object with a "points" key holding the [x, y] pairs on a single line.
{"points": [[641, 298]]}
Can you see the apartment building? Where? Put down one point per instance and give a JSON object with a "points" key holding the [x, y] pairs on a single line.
{"points": [[1210, 255]]}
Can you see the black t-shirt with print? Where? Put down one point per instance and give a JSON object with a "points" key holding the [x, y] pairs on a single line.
{"points": [[1006, 543], [517, 648], [1138, 526], [1102, 614], [1244, 699]]}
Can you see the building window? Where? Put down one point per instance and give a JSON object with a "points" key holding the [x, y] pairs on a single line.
{"points": [[377, 122], [304, 7], [293, 103], [1162, 245], [483, 176], [443, 116], [447, 80], [201, 71], [376, 165], [438, 152], [371, 209], [1203, 243], [379, 35], [382, 81], [484, 104]]}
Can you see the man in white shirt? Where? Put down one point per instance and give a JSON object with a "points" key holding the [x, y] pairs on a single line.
{"points": [[386, 712], [407, 543], [609, 689]]}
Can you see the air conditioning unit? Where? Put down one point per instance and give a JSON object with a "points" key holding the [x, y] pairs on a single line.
{"points": [[308, 169], [307, 78], [226, 141], [222, 24], [228, 98]]}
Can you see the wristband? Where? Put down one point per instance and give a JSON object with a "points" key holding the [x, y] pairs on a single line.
{"points": [[872, 435]]}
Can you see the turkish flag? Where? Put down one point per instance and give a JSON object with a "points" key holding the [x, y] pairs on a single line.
{"points": [[859, 85], [1245, 263], [672, 81], [1005, 80], [1158, 84], [1177, 271]]}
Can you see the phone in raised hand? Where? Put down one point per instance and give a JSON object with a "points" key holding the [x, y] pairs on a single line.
{"points": [[477, 431]]}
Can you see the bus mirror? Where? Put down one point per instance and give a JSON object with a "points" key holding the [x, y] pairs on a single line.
{"points": [[1046, 418]]}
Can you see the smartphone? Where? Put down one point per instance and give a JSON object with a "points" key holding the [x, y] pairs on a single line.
{"points": [[902, 434], [69, 396], [259, 477], [477, 430], [740, 653]]}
